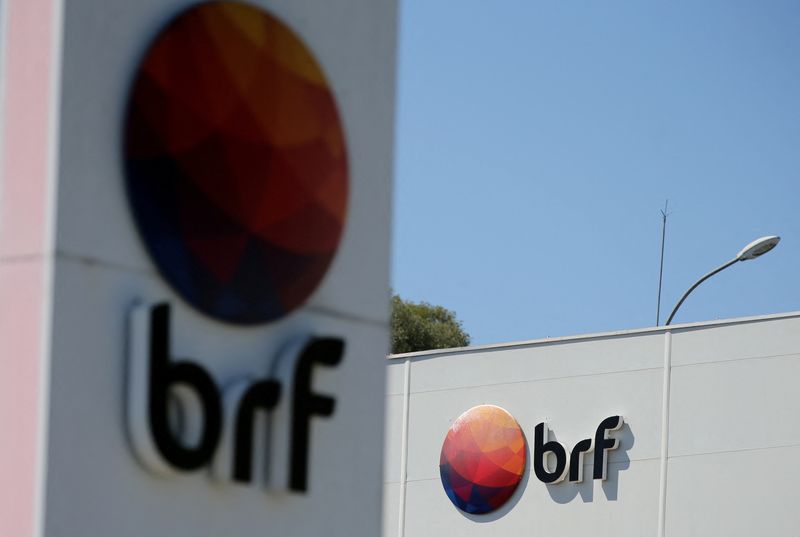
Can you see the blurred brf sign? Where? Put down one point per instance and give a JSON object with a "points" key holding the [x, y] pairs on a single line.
{"points": [[180, 420], [237, 176], [205, 354]]}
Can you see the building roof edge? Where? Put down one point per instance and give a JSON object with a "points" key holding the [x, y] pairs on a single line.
{"points": [[599, 335]]}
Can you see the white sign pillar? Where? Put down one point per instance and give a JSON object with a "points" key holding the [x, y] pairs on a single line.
{"points": [[136, 397]]}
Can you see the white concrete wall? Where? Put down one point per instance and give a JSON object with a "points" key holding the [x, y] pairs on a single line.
{"points": [[729, 454]]}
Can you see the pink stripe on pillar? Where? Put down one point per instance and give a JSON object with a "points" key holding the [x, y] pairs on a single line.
{"points": [[21, 300], [28, 119]]}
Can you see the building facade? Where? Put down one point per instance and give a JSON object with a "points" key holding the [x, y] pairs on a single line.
{"points": [[708, 443]]}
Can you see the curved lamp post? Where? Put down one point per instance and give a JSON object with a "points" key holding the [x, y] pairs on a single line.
{"points": [[755, 249]]}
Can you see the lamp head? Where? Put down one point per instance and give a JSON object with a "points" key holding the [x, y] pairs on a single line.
{"points": [[758, 248]]}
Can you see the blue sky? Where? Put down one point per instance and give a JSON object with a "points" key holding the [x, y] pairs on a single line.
{"points": [[537, 140]]}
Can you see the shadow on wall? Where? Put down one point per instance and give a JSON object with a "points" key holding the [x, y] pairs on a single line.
{"points": [[565, 492]]}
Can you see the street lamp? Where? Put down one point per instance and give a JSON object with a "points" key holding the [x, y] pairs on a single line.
{"points": [[755, 249]]}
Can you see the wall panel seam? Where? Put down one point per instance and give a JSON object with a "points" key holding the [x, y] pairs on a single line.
{"points": [[737, 360], [401, 519], [662, 493], [726, 451]]}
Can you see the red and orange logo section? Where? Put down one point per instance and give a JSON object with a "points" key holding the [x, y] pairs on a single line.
{"points": [[236, 162], [483, 459]]}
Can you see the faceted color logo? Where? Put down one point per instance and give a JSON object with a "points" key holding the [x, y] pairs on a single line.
{"points": [[483, 459], [235, 162]]}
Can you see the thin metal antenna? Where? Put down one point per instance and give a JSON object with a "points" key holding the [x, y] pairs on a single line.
{"points": [[664, 215]]}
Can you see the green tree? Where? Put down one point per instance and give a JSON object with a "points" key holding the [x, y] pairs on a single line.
{"points": [[422, 326]]}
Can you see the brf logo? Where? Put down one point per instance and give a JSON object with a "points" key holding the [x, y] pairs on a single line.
{"points": [[235, 163], [483, 457], [236, 173]]}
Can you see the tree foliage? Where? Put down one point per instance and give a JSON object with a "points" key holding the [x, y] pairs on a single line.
{"points": [[422, 326]]}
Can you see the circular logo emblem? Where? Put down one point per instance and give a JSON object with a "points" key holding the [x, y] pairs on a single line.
{"points": [[483, 459], [235, 162]]}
